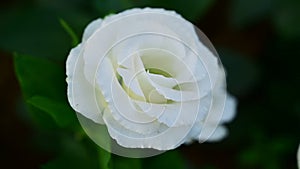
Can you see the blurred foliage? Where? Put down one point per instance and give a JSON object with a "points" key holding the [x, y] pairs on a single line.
{"points": [[283, 14], [265, 133]]}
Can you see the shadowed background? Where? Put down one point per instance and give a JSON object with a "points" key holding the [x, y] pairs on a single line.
{"points": [[258, 42]]}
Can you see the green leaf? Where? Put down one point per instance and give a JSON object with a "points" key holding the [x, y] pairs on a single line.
{"points": [[105, 7], [125, 163], [104, 158], [62, 114], [75, 160], [266, 153], [99, 134], [70, 31], [33, 31], [62, 163], [39, 76], [46, 79], [286, 18], [76, 152]]}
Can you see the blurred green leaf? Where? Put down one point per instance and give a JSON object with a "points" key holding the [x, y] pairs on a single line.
{"points": [[70, 31], [62, 114], [64, 162], [105, 7], [119, 162], [34, 32], [32, 27], [74, 154], [41, 77], [104, 158], [265, 152], [286, 17]]}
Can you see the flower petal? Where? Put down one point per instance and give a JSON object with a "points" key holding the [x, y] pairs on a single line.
{"points": [[218, 133], [230, 108], [91, 28], [165, 139], [120, 104], [131, 82], [159, 22], [178, 113], [151, 81], [151, 94], [216, 113], [81, 94]]}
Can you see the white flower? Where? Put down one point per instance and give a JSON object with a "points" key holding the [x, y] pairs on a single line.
{"points": [[146, 76]]}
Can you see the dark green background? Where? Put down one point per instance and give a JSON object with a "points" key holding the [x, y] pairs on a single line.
{"points": [[258, 42]]}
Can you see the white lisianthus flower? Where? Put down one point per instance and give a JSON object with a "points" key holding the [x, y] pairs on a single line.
{"points": [[147, 77]]}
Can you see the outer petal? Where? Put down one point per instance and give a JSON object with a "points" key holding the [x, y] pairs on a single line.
{"points": [[219, 133], [230, 108], [165, 139], [110, 33], [177, 113], [91, 28], [220, 111], [80, 92]]}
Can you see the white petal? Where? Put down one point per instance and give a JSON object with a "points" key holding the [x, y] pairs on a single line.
{"points": [[230, 108], [180, 72], [132, 71], [222, 110], [177, 113], [163, 140], [120, 104], [168, 62], [162, 80], [91, 28], [165, 61], [81, 94], [214, 117], [150, 92], [177, 95], [130, 80], [149, 41], [158, 22], [188, 91], [218, 133]]}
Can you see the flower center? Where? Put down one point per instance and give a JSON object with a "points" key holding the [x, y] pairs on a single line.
{"points": [[158, 72]]}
